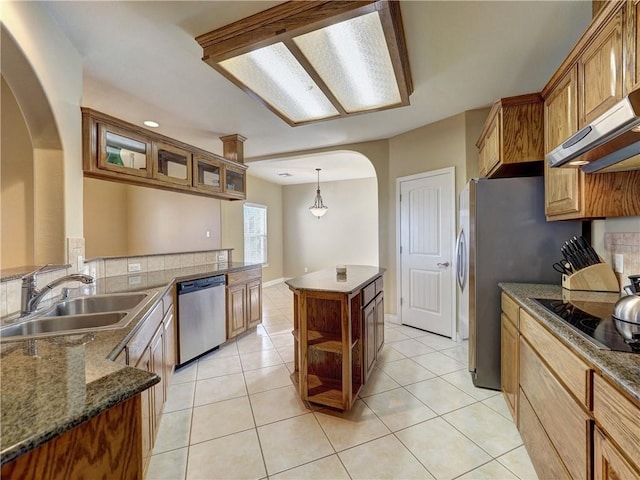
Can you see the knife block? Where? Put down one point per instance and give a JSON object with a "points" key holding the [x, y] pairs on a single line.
{"points": [[598, 278]]}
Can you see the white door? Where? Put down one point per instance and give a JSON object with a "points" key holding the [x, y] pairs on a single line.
{"points": [[427, 221]]}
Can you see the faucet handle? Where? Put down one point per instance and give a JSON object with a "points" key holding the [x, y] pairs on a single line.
{"points": [[31, 277]]}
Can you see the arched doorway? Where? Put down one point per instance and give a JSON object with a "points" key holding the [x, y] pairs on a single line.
{"points": [[32, 167]]}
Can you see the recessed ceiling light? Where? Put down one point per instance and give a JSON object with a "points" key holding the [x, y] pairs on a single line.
{"points": [[285, 174], [151, 123]]}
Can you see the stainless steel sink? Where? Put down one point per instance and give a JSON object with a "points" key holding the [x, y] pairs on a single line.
{"points": [[78, 315], [57, 325], [96, 304]]}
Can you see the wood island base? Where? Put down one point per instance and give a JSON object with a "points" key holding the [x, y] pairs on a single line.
{"points": [[338, 332]]}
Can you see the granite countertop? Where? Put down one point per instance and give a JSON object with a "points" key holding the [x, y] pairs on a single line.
{"points": [[52, 384], [329, 281], [621, 368]]}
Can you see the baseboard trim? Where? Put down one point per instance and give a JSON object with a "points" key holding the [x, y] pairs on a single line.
{"points": [[271, 283], [391, 317]]}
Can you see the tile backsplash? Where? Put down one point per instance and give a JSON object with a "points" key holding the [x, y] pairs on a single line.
{"points": [[10, 289], [628, 245]]}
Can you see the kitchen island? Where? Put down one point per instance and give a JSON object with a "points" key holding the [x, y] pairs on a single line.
{"points": [[338, 331], [54, 385]]}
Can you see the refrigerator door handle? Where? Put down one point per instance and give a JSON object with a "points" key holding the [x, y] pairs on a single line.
{"points": [[461, 260]]}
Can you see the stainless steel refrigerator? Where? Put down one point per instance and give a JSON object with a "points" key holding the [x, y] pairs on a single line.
{"points": [[503, 236]]}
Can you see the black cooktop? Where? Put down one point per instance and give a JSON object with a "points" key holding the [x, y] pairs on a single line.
{"points": [[597, 328]]}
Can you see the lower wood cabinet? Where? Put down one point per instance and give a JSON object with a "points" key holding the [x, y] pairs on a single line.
{"points": [[542, 453], [509, 365], [244, 301], [574, 422], [561, 417], [106, 446], [236, 310], [337, 336], [608, 462], [617, 419], [373, 324], [153, 349]]}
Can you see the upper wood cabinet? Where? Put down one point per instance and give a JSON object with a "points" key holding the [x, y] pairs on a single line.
{"points": [[598, 72], [562, 185], [511, 142], [631, 42], [122, 152], [171, 164], [208, 175]]}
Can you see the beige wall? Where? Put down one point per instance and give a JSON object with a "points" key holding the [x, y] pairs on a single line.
{"points": [[106, 223], [270, 194], [346, 234], [447, 143], [260, 192], [58, 68], [49, 210], [378, 154], [16, 174], [125, 220]]}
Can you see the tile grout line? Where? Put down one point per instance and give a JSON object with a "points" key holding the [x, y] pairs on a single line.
{"points": [[363, 399]]}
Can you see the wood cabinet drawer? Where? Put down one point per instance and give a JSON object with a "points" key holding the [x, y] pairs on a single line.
{"points": [[142, 339], [571, 371], [243, 276], [564, 422], [618, 416], [368, 293], [379, 285], [167, 301], [541, 451], [511, 309]]}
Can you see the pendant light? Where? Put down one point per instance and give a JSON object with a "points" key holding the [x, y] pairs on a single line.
{"points": [[318, 208]]}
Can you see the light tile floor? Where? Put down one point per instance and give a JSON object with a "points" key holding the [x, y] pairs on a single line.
{"points": [[234, 414]]}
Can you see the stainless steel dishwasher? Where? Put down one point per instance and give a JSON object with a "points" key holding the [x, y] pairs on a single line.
{"points": [[201, 317]]}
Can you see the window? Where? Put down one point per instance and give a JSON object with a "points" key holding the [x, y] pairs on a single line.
{"points": [[255, 233]]}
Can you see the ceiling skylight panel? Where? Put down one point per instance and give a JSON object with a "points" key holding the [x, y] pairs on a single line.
{"points": [[353, 60], [275, 75]]}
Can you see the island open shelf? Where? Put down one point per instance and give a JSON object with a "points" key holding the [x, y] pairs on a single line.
{"points": [[338, 328]]}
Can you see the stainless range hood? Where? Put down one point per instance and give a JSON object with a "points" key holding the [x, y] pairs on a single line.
{"points": [[611, 143]]}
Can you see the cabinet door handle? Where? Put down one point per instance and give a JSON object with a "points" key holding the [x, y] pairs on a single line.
{"points": [[445, 264]]}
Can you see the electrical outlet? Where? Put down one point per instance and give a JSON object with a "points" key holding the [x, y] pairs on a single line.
{"points": [[222, 257], [134, 267], [135, 280], [618, 262], [208, 234], [306, 269]]}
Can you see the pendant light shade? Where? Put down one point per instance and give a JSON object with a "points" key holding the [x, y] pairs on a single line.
{"points": [[318, 208]]}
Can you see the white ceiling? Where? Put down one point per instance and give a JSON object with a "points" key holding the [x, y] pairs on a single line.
{"points": [[141, 62]]}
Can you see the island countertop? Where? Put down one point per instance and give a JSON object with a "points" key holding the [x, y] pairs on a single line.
{"points": [[53, 384], [328, 280]]}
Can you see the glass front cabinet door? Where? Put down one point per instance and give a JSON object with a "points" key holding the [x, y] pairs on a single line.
{"points": [[123, 151], [234, 181], [171, 164], [208, 174]]}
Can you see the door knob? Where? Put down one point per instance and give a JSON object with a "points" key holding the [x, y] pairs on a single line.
{"points": [[445, 264]]}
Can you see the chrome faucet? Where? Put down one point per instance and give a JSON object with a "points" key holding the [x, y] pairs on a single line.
{"points": [[31, 296]]}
